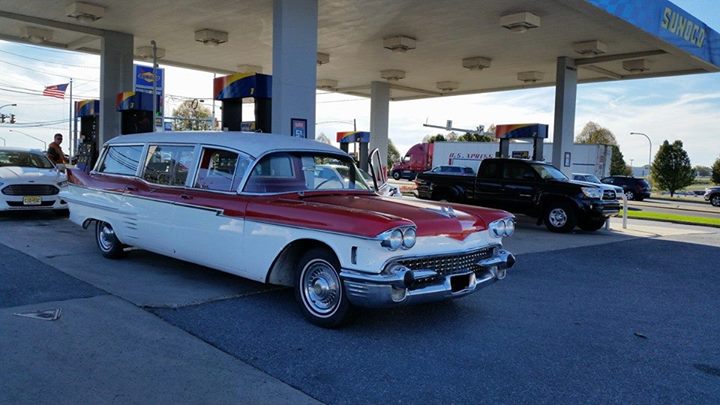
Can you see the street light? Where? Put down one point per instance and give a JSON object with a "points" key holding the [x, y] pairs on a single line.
{"points": [[649, 152], [8, 105], [37, 139]]}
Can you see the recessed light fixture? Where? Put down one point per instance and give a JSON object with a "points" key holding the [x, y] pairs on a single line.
{"points": [[146, 52], [327, 84], [530, 77], [85, 12], [476, 63], [590, 48], [520, 22], [36, 35], [636, 65], [399, 43], [323, 58], [447, 86], [392, 75], [211, 37]]}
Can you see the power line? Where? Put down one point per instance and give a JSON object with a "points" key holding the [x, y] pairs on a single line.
{"points": [[47, 61], [46, 73]]}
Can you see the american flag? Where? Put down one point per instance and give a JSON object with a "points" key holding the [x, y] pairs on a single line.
{"points": [[56, 90]]}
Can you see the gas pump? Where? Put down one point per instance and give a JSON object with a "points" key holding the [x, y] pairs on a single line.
{"points": [[361, 139], [232, 89], [538, 132], [136, 111], [88, 111]]}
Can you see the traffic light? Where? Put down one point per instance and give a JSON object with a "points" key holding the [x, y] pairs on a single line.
{"points": [[12, 118]]}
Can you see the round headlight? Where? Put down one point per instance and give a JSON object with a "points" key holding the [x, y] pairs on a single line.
{"points": [[409, 238], [498, 228], [509, 227], [395, 240]]}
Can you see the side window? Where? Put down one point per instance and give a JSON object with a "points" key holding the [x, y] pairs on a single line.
{"points": [[168, 165], [279, 165], [121, 160], [489, 170], [218, 169], [515, 170]]}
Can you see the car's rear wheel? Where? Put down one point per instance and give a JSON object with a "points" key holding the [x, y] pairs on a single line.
{"points": [[396, 175], [630, 195], [591, 225], [560, 217], [715, 200], [108, 243], [319, 289]]}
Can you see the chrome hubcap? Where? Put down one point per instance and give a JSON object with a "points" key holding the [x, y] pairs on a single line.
{"points": [[630, 195], [557, 217], [106, 237], [716, 201], [321, 287]]}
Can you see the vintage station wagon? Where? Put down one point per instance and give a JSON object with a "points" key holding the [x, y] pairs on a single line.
{"points": [[258, 206]]}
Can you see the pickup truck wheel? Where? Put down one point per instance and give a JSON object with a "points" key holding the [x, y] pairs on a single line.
{"points": [[319, 289], [396, 175], [715, 200], [108, 243], [560, 218], [592, 224]]}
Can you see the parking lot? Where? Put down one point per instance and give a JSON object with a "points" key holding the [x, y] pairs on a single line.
{"points": [[610, 316]]}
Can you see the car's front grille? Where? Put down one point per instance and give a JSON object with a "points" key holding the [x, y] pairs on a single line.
{"points": [[30, 189], [448, 264], [609, 195]]}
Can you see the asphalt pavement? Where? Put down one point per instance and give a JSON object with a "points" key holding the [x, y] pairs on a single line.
{"points": [[609, 316]]}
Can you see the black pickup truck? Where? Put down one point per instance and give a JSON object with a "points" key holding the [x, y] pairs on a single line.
{"points": [[536, 189]]}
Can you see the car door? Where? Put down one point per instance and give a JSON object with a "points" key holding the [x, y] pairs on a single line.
{"points": [[488, 188], [519, 182]]}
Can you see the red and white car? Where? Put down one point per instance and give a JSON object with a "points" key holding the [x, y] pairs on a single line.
{"points": [[253, 205]]}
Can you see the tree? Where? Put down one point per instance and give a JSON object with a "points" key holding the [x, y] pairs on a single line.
{"points": [[671, 168], [617, 163], [475, 137], [703, 171], [716, 171], [595, 134], [434, 138], [393, 155], [191, 117]]}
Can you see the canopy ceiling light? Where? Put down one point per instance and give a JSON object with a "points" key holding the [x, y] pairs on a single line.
{"points": [[530, 77], [399, 43], [327, 84], [211, 37], [590, 48], [146, 52], [36, 35], [447, 86], [323, 58], [85, 12], [636, 65], [245, 68], [476, 63], [520, 22], [392, 75]]}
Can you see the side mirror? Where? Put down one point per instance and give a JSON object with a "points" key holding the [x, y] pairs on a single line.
{"points": [[377, 172]]}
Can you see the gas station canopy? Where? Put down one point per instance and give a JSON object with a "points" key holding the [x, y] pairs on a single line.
{"points": [[422, 48]]}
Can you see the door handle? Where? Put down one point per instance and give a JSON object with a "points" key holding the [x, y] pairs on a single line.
{"points": [[130, 188], [186, 196]]}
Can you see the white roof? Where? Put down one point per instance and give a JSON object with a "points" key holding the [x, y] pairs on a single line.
{"points": [[252, 143]]}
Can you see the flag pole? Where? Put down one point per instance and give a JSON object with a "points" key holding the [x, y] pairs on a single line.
{"points": [[70, 122]]}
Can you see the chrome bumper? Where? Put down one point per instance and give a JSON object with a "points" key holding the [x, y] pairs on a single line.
{"points": [[417, 286]]}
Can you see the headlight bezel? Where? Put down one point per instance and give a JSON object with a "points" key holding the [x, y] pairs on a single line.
{"points": [[502, 228], [407, 238]]}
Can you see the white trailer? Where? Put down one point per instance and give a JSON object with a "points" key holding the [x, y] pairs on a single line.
{"points": [[585, 158]]}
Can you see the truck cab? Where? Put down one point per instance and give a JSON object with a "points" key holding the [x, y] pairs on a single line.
{"points": [[417, 160]]}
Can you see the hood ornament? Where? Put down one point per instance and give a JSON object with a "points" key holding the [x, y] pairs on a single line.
{"points": [[447, 211]]}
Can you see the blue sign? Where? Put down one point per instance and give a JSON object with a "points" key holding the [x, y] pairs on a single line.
{"points": [[668, 22], [144, 78], [298, 126]]}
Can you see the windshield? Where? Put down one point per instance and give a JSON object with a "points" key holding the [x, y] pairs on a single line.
{"points": [[24, 159], [548, 172], [285, 172]]}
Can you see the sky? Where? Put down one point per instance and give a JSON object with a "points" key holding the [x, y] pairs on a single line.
{"points": [[681, 107]]}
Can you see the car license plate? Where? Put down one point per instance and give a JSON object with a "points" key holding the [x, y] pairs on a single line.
{"points": [[32, 200]]}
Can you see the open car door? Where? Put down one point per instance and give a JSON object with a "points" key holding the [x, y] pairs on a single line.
{"points": [[379, 176]]}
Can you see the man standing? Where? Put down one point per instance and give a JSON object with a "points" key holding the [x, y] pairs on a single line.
{"points": [[55, 152]]}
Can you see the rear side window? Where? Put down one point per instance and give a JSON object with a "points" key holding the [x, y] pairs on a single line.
{"points": [[489, 170], [121, 160], [168, 165], [220, 170]]}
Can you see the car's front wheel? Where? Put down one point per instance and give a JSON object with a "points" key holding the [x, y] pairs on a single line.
{"points": [[319, 289], [108, 243], [560, 218], [396, 175], [715, 200]]}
